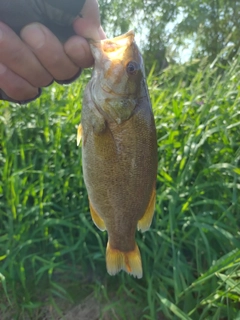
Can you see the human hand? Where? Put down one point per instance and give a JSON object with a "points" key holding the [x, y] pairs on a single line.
{"points": [[37, 57]]}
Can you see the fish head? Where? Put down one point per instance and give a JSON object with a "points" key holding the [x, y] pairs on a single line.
{"points": [[118, 76]]}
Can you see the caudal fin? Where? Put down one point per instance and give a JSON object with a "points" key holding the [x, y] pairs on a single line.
{"points": [[128, 261]]}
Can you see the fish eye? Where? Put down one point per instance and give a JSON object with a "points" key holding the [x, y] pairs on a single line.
{"points": [[132, 67]]}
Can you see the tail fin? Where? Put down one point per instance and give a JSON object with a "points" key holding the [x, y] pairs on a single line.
{"points": [[128, 261]]}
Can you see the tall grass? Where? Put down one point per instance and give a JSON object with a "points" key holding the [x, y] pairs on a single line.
{"points": [[50, 250]]}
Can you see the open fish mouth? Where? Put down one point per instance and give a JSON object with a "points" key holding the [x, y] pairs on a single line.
{"points": [[115, 48], [121, 40], [114, 44]]}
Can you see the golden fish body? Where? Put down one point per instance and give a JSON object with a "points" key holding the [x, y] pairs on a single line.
{"points": [[119, 149]]}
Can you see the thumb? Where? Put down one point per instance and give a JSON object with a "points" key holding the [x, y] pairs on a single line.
{"points": [[88, 30], [88, 25]]}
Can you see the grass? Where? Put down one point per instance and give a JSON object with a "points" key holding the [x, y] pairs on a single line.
{"points": [[50, 251]]}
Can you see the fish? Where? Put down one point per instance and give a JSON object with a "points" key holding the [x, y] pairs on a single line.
{"points": [[119, 149]]}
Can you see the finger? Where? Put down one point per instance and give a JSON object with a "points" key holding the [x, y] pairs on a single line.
{"points": [[77, 48], [17, 57], [90, 11], [89, 26], [88, 29], [16, 87], [49, 51], [102, 33]]}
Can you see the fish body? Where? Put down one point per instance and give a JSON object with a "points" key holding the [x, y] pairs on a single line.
{"points": [[119, 149]]}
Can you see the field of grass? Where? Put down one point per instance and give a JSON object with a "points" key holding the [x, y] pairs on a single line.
{"points": [[51, 252]]}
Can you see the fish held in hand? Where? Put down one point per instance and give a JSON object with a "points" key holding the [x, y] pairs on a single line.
{"points": [[119, 149]]}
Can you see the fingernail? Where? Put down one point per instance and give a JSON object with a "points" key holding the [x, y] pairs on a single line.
{"points": [[3, 68], [50, 83], [68, 81], [5, 97], [29, 100], [33, 36]]}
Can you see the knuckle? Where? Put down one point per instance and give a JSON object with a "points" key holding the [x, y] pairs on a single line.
{"points": [[56, 61], [3, 70], [14, 56]]}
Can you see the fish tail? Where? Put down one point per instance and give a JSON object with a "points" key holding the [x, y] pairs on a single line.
{"points": [[128, 261]]}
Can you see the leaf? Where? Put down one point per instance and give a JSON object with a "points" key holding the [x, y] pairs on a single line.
{"points": [[172, 307]]}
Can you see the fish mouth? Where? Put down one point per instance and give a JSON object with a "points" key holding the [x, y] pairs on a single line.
{"points": [[120, 40], [115, 44], [113, 48]]}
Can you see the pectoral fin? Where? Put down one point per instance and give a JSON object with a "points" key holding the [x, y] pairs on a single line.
{"points": [[96, 219], [79, 134], [145, 222]]}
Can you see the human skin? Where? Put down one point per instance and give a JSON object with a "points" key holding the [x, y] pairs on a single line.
{"points": [[37, 57]]}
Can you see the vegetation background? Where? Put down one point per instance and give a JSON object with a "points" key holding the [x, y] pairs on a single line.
{"points": [[51, 254]]}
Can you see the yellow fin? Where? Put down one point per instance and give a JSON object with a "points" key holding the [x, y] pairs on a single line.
{"points": [[96, 219], [127, 261], [79, 134], [145, 222]]}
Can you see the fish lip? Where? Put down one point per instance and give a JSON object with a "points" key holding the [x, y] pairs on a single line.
{"points": [[114, 39], [115, 45], [111, 49]]}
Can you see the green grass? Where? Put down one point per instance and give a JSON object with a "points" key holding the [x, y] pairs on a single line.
{"points": [[50, 250]]}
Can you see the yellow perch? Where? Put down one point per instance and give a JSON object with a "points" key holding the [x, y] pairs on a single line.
{"points": [[119, 149]]}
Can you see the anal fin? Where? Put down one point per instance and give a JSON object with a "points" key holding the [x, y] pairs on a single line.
{"points": [[128, 261], [96, 219], [145, 222]]}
